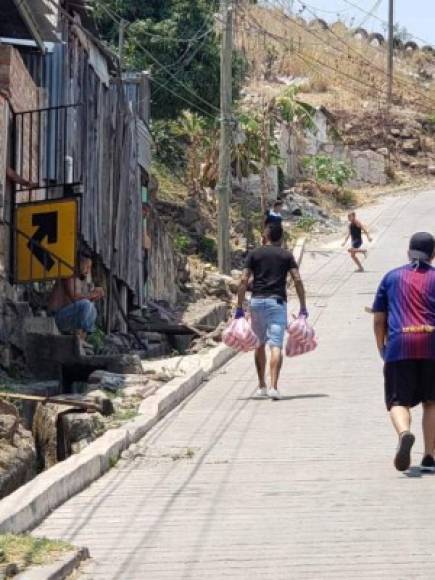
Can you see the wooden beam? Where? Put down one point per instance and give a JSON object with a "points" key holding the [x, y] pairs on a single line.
{"points": [[85, 405]]}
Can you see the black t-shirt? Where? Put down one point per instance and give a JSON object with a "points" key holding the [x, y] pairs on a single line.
{"points": [[270, 266], [270, 217]]}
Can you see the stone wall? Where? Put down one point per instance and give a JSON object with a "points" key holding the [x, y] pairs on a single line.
{"points": [[253, 185], [369, 166]]}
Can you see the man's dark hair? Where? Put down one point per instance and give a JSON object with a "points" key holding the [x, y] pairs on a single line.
{"points": [[277, 202], [274, 232], [85, 255]]}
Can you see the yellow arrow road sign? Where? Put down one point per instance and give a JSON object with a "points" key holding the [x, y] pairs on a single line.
{"points": [[46, 240]]}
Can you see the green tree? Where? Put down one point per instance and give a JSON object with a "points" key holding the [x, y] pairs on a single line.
{"points": [[182, 35]]}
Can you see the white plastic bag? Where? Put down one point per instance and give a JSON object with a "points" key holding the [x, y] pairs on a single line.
{"points": [[240, 336], [301, 337]]}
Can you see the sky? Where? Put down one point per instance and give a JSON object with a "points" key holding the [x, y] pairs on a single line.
{"points": [[417, 16]]}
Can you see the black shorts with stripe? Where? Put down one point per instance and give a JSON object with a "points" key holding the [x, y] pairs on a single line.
{"points": [[409, 382]]}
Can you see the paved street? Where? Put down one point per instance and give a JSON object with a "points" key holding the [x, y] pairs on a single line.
{"points": [[231, 487]]}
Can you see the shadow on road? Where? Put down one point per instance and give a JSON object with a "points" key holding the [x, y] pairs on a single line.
{"points": [[415, 472], [285, 398]]}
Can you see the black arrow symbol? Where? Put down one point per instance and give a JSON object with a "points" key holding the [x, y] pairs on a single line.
{"points": [[47, 228]]}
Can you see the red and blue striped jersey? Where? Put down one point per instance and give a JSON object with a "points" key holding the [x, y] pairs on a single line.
{"points": [[407, 296]]}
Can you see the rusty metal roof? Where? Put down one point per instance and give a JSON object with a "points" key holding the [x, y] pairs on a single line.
{"points": [[29, 20]]}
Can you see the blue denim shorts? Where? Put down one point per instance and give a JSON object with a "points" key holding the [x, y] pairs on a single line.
{"points": [[269, 320], [80, 315]]}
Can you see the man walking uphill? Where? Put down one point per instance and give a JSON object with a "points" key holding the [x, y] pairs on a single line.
{"points": [[270, 265], [404, 324]]}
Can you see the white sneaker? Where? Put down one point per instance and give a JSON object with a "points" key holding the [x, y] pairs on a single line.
{"points": [[274, 394], [261, 392]]}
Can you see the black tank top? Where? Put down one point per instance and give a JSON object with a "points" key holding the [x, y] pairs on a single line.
{"points": [[355, 232]]}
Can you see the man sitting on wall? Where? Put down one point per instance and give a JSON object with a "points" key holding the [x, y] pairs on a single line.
{"points": [[71, 305]]}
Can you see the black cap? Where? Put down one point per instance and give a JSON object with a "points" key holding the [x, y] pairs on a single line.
{"points": [[422, 246]]}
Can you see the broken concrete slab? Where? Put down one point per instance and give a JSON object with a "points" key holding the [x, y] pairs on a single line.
{"points": [[59, 357], [140, 391], [115, 381], [29, 505]]}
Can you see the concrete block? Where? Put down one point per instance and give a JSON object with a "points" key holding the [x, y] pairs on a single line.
{"points": [[139, 427], [31, 503], [41, 325], [59, 570]]}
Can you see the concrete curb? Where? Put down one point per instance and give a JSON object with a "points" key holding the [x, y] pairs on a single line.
{"points": [[58, 570], [298, 250], [30, 504]]}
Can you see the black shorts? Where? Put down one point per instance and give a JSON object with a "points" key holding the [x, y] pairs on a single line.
{"points": [[409, 382], [356, 244]]}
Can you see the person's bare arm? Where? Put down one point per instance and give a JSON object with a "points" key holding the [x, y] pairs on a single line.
{"points": [[380, 330], [13, 176], [346, 239], [243, 287], [71, 291], [365, 231], [300, 289]]}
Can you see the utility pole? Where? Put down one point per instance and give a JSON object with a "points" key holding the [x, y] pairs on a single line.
{"points": [[224, 187], [122, 28], [390, 52]]}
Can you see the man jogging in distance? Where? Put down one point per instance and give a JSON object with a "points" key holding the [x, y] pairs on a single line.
{"points": [[404, 325], [269, 265], [356, 230]]}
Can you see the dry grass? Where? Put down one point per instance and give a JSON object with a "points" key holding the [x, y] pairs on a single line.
{"points": [[299, 54], [25, 550], [171, 187]]}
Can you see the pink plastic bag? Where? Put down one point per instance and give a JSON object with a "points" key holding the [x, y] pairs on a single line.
{"points": [[240, 336], [301, 338]]}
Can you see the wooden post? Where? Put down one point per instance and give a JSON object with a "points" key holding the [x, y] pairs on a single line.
{"points": [[224, 187], [122, 27], [123, 298], [390, 52]]}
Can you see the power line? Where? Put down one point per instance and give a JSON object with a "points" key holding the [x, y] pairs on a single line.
{"points": [[198, 36], [166, 69], [179, 66], [166, 88], [368, 63], [350, 3], [336, 12], [163, 67], [311, 59], [371, 14]]}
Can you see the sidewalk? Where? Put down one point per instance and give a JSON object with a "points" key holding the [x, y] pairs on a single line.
{"points": [[231, 487]]}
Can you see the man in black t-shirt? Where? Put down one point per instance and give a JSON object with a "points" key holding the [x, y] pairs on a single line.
{"points": [[269, 266]]}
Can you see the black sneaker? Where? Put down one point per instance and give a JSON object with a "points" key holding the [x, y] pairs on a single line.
{"points": [[428, 464], [402, 460]]}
